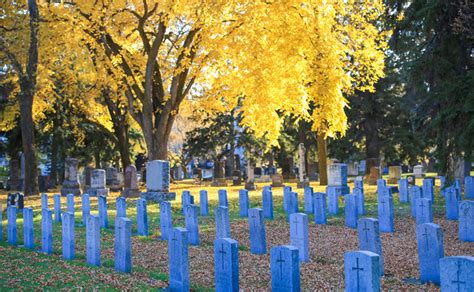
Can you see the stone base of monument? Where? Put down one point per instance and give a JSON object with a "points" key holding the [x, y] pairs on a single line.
{"points": [[95, 192], [158, 196], [68, 190], [219, 182], [250, 186], [302, 184], [277, 181], [392, 181], [131, 193]]}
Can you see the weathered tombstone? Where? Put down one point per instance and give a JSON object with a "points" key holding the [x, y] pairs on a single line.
{"points": [[218, 175], [93, 240], [385, 211], [303, 180], [353, 169], [44, 201], [428, 189], [308, 200], [418, 171], [394, 174], [430, 250], [57, 207], [14, 175], [98, 186], [469, 187], [142, 218], [70, 203], [250, 182], [285, 268], [112, 179], [286, 192], [221, 215], [71, 181], [244, 203], [403, 190], [121, 207], [104, 218], [236, 177], [360, 200], [47, 231], [222, 194], [299, 235], [462, 168], [466, 221], [28, 229], [456, 273], [424, 212], [86, 208], [337, 177], [374, 175], [350, 210], [277, 180], [88, 176], [453, 198], [361, 271], [192, 224], [185, 199], [381, 186], [166, 221], [158, 181], [68, 243], [130, 187], [333, 195], [178, 260], [226, 264], [415, 193], [123, 245], [369, 238], [359, 182], [258, 243], [292, 203], [319, 200], [203, 203], [267, 203]]}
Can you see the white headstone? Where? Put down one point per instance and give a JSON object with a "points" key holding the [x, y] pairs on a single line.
{"points": [[418, 171], [98, 178], [158, 176], [302, 166]]}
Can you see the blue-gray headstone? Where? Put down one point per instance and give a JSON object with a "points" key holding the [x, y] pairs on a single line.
{"points": [[192, 224], [403, 190], [299, 235], [104, 218], [319, 200], [226, 264], [453, 198], [267, 188], [57, 207], [415, 194], [286, 191], [469, 187], [267, 203], [222, 194], [185, 199], [359, 183], [142, 218], [360, 200], [28, 228], [47, 231], [466, 221], [244, 203], [430, 250], [285, 268], [292, 203], [442, 180], [86, 208], [166, 221], [123, 245], [203, 204], [456, 273], [333, 195], [424, 212], [93, 240], [70, 203], [308, 200], [221, 215], [69, 245], [121, 207], [258, 243], [350, 210], [385, 211], [361, 271], [44, 201], [381, 185], [178, 260], [428, 189], [369, 238], [12, 236]]}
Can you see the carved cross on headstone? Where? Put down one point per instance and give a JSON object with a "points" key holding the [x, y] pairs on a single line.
{"points": [[426, 237], [422, 207], [383, 203], [254, 220], [357, 269], [365, 229], [296, 224], [280, 260], [458, 282], [222, 252]]}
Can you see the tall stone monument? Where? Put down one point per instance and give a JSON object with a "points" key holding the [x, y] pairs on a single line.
{"points": [[131, 183], [158, 181], [112, 179], [218, 179], [374, 175], [250, 182], [71, 181], [303, 180], [98, 186], [394, 174]]}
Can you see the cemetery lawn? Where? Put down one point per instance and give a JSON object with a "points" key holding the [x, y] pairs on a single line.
{"points": [[22, 268]]}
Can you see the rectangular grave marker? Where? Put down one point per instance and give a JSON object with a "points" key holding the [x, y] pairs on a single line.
{"points": [[469, 187], [44, 201], [428, 189], [178, 260], [267, 203], [68, 243], [104, 218], [203, 204], [285, 268], [12, 231], [142, 218], [166, 221], [308, 200], [333, 195], [385, 211], [361, 271], [286, 191], [47, 231], [86, 208], [70, 203], [466, 221], [223, 198], [226, 264], [244, 203], [258, 244], [93, 240], [381, 185], [453, 198], [415, 193], [456, 273], [350, 210], [185, 199], [28, 228], [360, 200], [320, 208], [121, 207], [57, 207], [192, 224], [369, 238], [424, 212], [430, 250], [221, 215], [292, 203], [403, 189], [299, 235], [123, 245]]}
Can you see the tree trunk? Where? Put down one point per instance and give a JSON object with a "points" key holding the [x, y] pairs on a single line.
{"points": [[372, 141], [322, 160], [121, 132], [97, 159], [54, 158]]}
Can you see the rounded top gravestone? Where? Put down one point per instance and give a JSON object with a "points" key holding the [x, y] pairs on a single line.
{"points": [[70, 170], [98, 178], [131, 177]]}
